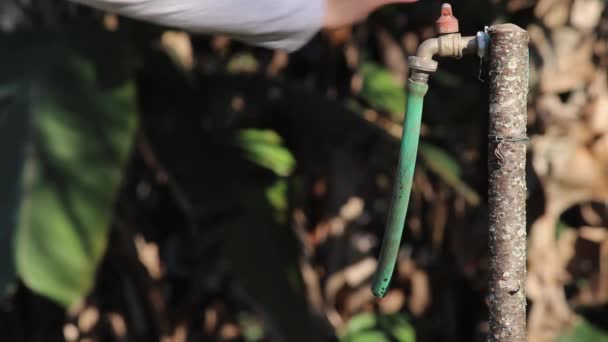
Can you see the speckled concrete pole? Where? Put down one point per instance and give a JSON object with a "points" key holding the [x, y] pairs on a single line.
{"points": [[507, 185]]}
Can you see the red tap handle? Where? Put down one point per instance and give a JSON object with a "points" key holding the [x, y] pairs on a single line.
{"points": [[447, 23]]}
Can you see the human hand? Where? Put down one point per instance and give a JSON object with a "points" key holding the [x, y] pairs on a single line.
{"points": [[340, 13]]}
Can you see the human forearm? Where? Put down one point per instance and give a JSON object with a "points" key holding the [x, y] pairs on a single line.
{"points": [[284, 24]]}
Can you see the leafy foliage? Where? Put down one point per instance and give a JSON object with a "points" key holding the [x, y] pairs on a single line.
{"points": [[367, 327], [448, 170], [77, 146], [252, 206], [12, 147], [381, 90], [584, 331], [264, 148], [245, 209]]}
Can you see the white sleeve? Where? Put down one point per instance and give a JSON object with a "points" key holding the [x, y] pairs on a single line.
{"points": [[280, 24]]}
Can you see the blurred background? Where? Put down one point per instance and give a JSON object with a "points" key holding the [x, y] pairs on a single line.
{"points": [[160, 186]]}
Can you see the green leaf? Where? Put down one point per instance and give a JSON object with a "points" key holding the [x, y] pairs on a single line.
{"points": [[244, 63], [561, 227], [13, 138], [399, 327], [447, 79], [17, 64], [584, 331], [372, 327], [252, 328], [370, 336], [265, 148], [404, 333], [361, 322], [382, 91], [79, 142], [441, 163], [277, 197]]}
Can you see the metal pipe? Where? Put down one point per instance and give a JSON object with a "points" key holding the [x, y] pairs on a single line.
{"points": [[449, 45], [468, 45], [428, 48]]}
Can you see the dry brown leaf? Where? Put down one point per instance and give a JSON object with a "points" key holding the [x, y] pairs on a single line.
{"points": [[220, 44], [602, 293], [228, 331], [585, 14], [590, 215], [179, 46], [355, 274], [352, 276], [570, 175], [180, 334], [405, 268], [598, 121], [149, 256], [593, 234], [280, 60], [518, 5], [599, 149], [566, 245], [118, 324], [567, 59], [312, 285], [393, 301], [352, 209], [393, 56], [553, 13], [111, 22], [70, 332], [339, 36], [356, 300], [597, 109], [211, 320], [569, 172], [553, 111], [88, 318], [421, 293], [410, 43]]}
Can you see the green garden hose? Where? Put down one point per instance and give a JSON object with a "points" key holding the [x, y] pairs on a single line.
{"points": [[401, 189]]}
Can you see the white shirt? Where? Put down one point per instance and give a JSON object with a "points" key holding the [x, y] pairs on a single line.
{"points": [[279, 24]]}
